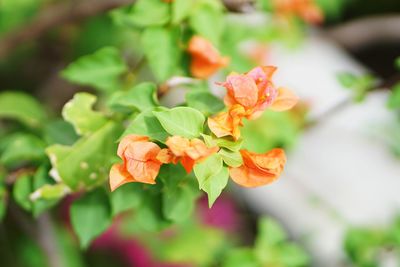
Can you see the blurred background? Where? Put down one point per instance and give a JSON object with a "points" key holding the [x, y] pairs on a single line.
{"points": [[339, 197]]}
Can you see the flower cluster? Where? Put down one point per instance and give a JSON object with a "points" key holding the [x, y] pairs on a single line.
{"points": [[142, 158], [305, 9], [248, 95]]}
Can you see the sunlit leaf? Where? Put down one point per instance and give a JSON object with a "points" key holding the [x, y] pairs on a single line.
{"points": [[204, 101], [231, 158], [212, 177], [100, 70], [21, 107], [79, 112], [87, 162], [182, 121], [163, 59], [207, 20], [146, 123], [141, 97]]}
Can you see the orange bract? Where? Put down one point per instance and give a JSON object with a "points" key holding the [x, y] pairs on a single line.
{"points": [[140, 163], [188, 151], [259, 169], [227, 123], [256, 92], [205, 59], [306, 9]]}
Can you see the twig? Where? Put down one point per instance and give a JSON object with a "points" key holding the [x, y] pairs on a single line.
{"points": [[361, 32], [54, 16], [46, 238]]}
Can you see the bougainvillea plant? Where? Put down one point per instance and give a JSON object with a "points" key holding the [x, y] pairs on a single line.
{"points": [[123, 142]]}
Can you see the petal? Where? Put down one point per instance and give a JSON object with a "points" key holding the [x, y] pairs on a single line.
{"points": [[205, 58], [273, 160], [262, 73], [144, 172], [202, 69], [285, 100], [141, 151], [199, 46], [244, 90], [166, 156], [199, 151], [187, 163], [220, 124], [119, 176], [177, 145], [128, 140], [249, 177]]}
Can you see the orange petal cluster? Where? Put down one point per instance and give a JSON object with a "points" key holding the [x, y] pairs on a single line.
{"points": [[306, 9], [227, 123], [188, 152], [248, 95], [258, 169], [205, 58], [140, 163]]}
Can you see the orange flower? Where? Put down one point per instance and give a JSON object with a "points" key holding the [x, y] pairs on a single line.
{"points": [[306, 9], [227, 123], [256, 92], [188, 151], [140, 163], [206, 60], [258, 169]]}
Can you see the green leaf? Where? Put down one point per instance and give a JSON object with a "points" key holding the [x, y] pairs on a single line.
{"points": [[22, 148], [270, 233], [87, 162], [3, 201], [179, 192], [360, 85], [223, 142], [60, 132], [212, 177], [21, 107], [204, 101], [90, 216], [163, 59], [394, 98], [100, 70], [147, 13], [181, 9], [242, 257], [41, 180], [397, 63], [346, 79], [207, 20], [127, 197], [149, 215], [141, 97], [50, 192], [194, 243], [294, 256], [21, 191], [79, 112], [183, 121], [231, 158], [147, 124]]}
